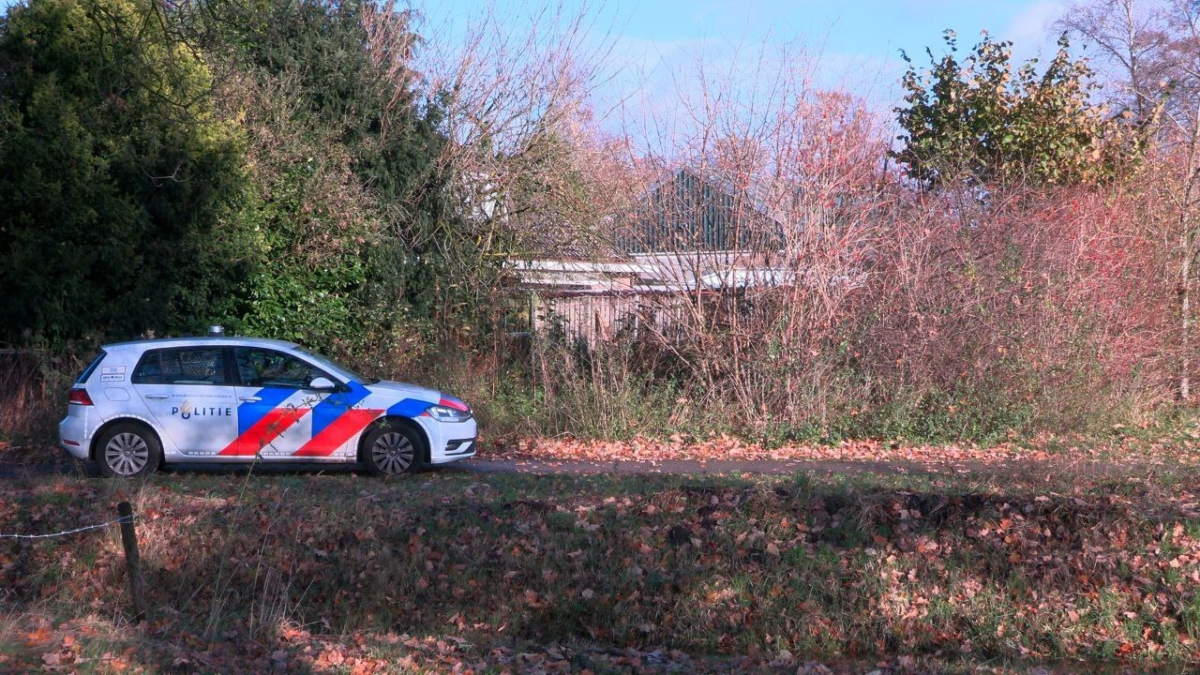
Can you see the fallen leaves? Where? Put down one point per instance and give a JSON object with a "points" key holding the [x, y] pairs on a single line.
{"points": [[959, 458], [727, 448], [597, 572], [37, 636]]}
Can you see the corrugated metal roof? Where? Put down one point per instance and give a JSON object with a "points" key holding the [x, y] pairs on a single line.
{"points": [[691, 211]]}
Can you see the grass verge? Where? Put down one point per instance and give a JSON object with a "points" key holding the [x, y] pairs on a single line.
{"points": [[517, 573]]}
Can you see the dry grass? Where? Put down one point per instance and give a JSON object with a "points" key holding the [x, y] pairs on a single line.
{"points": [[32, 397], [937, 572]]}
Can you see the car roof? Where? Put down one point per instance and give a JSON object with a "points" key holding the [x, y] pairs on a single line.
{"points": [[201, 340]]}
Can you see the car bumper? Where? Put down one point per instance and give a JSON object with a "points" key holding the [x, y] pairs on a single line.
{"points": [[72, 435], [452, 441]]}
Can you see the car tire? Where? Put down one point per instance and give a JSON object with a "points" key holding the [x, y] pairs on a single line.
{"points": [[392, 448], [128, 450]]}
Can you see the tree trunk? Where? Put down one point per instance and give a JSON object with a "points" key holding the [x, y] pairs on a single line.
{"points": [[1185, 325]]}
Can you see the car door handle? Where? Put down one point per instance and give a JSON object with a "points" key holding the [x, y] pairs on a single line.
{"points": [[157, 397], [250, 399]]}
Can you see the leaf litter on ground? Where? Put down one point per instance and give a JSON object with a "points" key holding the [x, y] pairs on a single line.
{"points": [[470, 573]]}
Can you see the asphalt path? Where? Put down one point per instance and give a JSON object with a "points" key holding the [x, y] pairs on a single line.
{"points": [[685, 466], [10, 469]]}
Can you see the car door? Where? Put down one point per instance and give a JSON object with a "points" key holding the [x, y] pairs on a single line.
{"points": [[189, 393], [275, 402]]}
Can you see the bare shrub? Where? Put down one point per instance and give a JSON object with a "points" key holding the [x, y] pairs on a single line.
{"points": [[1036, 307], [525, 165], [792, 283], [768, 197], [816, 293], [33, 390]]}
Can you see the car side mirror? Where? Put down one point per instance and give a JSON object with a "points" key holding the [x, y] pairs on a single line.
{"points": [[322, 384]]}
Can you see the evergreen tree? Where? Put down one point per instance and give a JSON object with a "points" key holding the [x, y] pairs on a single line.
{"points": [[343, 162], [114, 174]]}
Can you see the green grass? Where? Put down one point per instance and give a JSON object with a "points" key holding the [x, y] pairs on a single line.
{"points": [[955, 572]]}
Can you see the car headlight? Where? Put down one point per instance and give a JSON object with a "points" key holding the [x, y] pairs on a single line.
{"points": [[443, 413]]}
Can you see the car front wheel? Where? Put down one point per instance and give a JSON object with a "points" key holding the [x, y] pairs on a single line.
{"points": [[392, 449], [127, 450]]}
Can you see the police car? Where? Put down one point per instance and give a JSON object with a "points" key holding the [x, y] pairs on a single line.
{"points": [[225, 399]]}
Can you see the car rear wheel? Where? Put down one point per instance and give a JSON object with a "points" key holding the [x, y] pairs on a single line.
{"points": [[128, 450], [391, 449]]}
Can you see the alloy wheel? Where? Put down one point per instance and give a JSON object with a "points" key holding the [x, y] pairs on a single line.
{"points": [[126, 454], [393, 452]]}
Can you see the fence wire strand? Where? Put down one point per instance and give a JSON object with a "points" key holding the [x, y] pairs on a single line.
{"points": [[67, 532]]}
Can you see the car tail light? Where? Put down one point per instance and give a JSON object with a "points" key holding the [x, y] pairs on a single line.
{"points": [[79, 397]]}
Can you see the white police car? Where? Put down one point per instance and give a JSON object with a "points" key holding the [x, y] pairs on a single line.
{"points": [[225, 399]]}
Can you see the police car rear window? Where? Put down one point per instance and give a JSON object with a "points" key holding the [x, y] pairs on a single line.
{"points": [[188, 365], [87, 372]]}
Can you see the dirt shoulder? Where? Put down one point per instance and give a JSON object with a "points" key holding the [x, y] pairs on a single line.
{"points": [[1028, 469], [729, 456], [1049, 459]]}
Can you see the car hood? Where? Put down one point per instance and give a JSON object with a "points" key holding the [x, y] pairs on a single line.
{"points": [[402, 390]]}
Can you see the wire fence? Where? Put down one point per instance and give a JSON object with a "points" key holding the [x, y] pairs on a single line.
{"points": [[137, 585], [51, 535]]}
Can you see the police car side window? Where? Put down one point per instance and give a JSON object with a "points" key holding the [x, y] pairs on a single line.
{"points": [[269, 368], [202, 365]]}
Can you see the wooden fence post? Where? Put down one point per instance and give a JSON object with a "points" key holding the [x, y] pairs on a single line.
{"points": [[133, 563]]}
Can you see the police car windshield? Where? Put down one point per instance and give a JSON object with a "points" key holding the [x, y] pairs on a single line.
{"points": [[338, 369]]}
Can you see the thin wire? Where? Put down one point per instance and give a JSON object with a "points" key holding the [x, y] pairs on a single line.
{"points": [[65, 533]]}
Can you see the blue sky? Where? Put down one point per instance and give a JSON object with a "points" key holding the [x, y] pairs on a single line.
{"points": [[857, 42], [869, 29]]}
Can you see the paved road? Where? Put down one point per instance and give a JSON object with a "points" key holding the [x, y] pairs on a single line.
{"points": [[485, 466], [684, 466], [12, 469]]}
